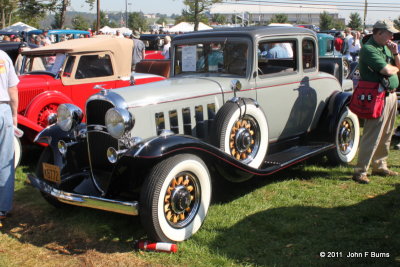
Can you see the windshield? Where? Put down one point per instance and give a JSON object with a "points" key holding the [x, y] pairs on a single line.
{"points": [[51, 64], [227, 57]]}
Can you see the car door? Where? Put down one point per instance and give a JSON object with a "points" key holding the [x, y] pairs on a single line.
{"points": [[283, 92], [88, 74]]}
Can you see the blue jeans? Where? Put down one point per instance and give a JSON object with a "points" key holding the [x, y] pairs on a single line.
{"points": [[7, 171]]}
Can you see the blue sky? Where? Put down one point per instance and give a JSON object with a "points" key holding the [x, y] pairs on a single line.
{"points": [[146, 6], [175, 6]]}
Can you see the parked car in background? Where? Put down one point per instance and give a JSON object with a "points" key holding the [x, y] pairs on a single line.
{"points": [[228, 109], [326, 49], [12, 48], [309, 26], [58, 35], [9, 34], [154, 44], [70, 72]]}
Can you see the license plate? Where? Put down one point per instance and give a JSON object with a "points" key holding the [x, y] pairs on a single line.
{"points": [[51, 173]]}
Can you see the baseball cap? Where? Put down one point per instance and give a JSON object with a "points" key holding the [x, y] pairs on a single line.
{"points": [[385, 25]]}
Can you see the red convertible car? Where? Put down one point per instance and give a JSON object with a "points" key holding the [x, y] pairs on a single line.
{"points": [[70, 72]]}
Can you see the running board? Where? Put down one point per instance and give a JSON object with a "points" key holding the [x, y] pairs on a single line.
{"points": [[292, 155]]}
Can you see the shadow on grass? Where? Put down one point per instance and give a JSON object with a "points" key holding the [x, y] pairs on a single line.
{"points": [[291, 235], [224, 191], [71, 230]]}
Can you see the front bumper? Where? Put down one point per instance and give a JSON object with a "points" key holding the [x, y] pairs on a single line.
{"points": [[123, 207]]}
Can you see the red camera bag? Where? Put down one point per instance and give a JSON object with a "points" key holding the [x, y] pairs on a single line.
{"points": [[368, 100]]}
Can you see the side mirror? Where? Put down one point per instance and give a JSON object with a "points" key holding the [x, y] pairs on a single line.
{"points": [[236, 85]]}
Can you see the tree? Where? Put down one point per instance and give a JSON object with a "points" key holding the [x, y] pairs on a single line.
{"points": [[7, 8], [279, 18], [218, 18], [80, 23], [62, 10], [32, 11], [355, 21], [162, 20], [195, 10], [137, 21], [104, 21], [339, 25], [325, 21], [397, 23]]}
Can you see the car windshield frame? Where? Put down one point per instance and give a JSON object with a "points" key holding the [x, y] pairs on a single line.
{"points": [[50, 64], [220, 56]]}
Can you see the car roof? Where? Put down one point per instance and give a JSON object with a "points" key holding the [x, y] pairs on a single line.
{"points": [[85, 45], [121, 48], [58, 31], [252, 32]]}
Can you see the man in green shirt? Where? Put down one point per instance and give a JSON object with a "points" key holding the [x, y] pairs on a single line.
{"points": [[378, 57]]}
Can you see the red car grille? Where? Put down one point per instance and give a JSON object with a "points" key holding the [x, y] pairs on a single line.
{"points": [[25, 97]]}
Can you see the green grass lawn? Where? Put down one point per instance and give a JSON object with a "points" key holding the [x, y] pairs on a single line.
{"points": [[286, 219]]}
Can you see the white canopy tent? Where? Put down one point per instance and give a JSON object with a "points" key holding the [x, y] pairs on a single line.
{"points": [[19, 27], [108, 30], [188, 27]]}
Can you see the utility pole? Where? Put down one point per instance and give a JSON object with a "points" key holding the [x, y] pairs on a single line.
{"points": [[365, 12], [98, 17], [126, 13]]}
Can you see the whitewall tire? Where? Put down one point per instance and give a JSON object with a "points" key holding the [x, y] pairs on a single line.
{"points": [[17, 151], [347, 138], [241, 130], [175, 198]]}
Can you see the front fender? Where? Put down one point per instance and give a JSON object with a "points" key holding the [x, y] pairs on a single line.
{"points": [[51, 135], [29, 123], [44, 99], [161, 147]]}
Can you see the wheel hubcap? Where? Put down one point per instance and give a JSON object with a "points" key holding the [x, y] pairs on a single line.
{"points": [[244, 139], [346, 136], [182, 200], [47, 115]]}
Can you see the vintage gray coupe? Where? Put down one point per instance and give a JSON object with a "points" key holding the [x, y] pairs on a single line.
{"points": [[239, 103]]}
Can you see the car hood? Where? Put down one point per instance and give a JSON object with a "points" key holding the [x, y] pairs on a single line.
{"points": [[172, 89], [29, 81]]}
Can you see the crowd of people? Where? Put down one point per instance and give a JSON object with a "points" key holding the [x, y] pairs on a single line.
{"points": [[348, 43]]}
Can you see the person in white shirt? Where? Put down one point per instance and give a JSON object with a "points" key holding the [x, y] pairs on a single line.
{"points": [[8, 120], [167, 45], [356, 46]]}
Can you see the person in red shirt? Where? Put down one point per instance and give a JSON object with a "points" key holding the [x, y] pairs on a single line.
{"points": [[339, 41]]}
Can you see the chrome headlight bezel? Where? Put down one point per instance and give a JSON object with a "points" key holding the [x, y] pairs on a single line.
{"points": [[118, 121], [68, 116]]}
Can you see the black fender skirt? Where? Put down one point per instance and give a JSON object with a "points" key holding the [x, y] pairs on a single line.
{"points": [[161, 147]]}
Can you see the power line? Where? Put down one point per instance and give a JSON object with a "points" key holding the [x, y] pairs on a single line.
{"points": [[318, 6], [319, 1]]}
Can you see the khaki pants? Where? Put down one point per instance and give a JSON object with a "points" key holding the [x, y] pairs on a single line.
{"points": [[375, 141]]}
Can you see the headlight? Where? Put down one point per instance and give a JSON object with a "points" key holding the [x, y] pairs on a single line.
{"points": [[68, 116], [118, 122]]}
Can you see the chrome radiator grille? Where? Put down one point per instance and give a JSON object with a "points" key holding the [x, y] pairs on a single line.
{"points": [[96, 111], [98, 138]]}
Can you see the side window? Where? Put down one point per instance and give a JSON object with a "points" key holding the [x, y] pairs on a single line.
{"points": [[276, 57], [309, 60], [68, 67], [94, 66]]}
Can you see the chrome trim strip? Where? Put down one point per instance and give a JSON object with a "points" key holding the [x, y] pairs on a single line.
{"points": [[122, 207], [111, 97]]}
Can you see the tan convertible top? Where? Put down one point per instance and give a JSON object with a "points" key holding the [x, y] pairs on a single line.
{"points": [[121, 48]]}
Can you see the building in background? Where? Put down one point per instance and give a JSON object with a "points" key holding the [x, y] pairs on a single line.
{"points": [[262, 14]]}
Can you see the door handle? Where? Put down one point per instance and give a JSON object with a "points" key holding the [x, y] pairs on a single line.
{"points": [[99, 86]]}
